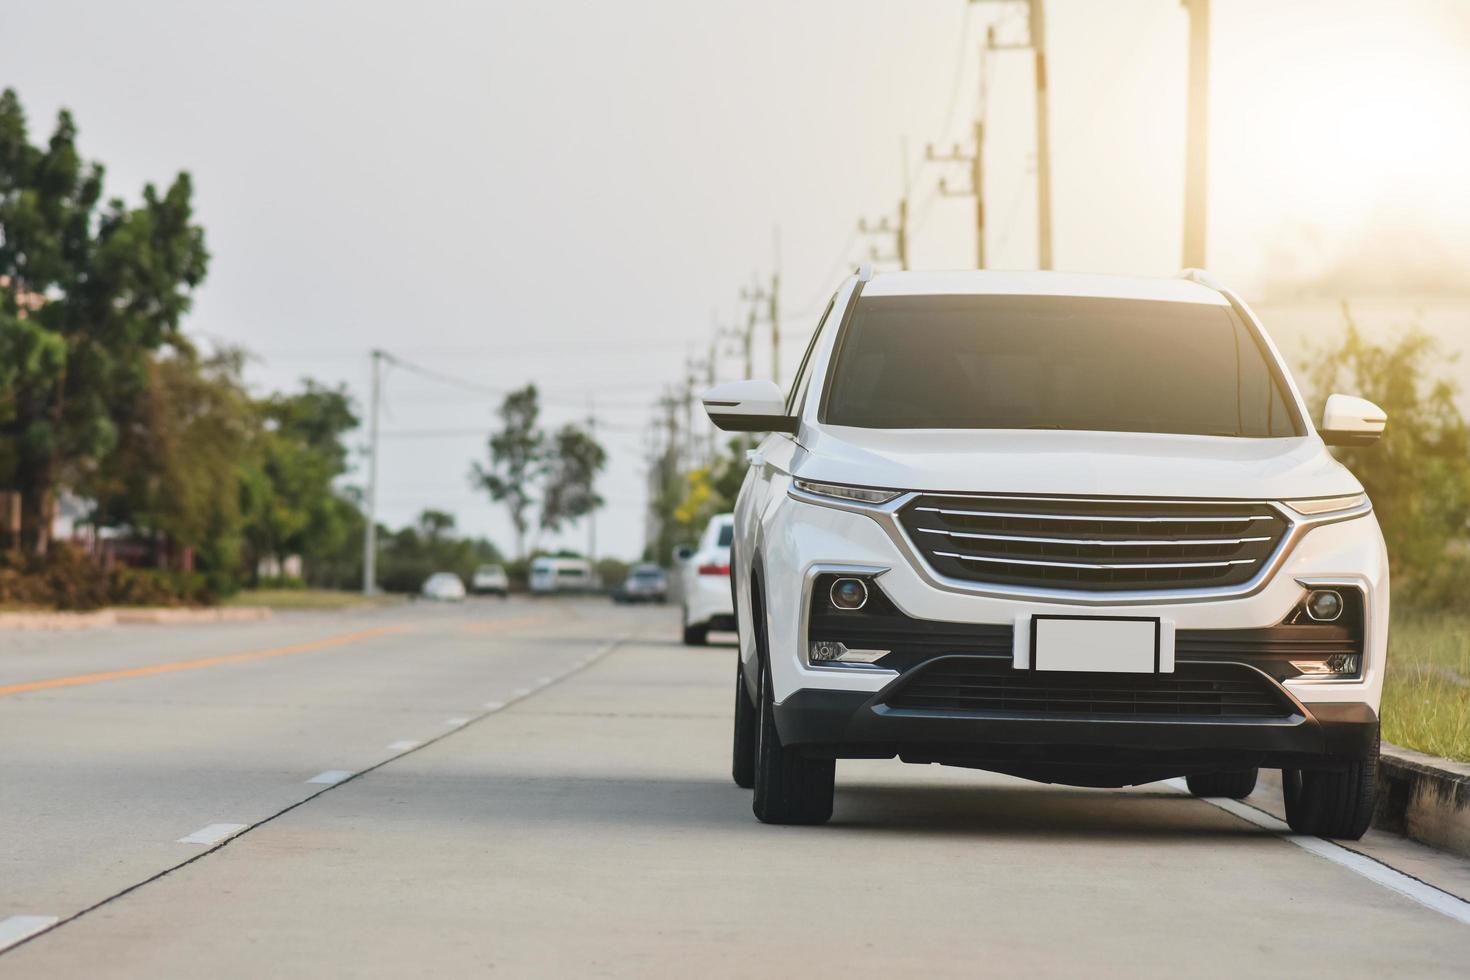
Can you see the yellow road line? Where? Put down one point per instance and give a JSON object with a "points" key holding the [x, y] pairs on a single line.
{"points": [[230, 658]]}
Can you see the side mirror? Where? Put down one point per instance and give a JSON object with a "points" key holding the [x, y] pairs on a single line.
{"points": [[683, 553], [1350, 421], [748, 406]]}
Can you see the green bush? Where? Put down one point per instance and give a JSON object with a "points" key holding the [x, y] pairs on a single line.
{"points": [[152, 587], [70, 580]]}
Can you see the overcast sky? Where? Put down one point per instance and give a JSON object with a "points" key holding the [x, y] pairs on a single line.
{"points": [[572, 193]]}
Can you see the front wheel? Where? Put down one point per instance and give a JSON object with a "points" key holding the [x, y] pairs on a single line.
{"points": [[789, 788], [1332, 804], [747, 722]]}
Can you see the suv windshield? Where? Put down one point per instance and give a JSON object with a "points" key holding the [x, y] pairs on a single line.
{"points": [[1054, 362]]}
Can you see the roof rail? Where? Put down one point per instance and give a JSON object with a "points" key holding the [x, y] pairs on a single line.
{"points": [[865, 272], [1203, 278]]}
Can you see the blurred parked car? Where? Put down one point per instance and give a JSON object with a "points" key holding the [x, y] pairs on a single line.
{"points": [[705, 573], [490, 580], [552, 575], [444, 587], [645, 583]]}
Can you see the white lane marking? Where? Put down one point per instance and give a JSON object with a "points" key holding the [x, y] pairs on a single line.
{"points": [[456, 722], [18, 928], [494, 705], [331, 777], [543, 681], [212, 834], [520, 692], [402, 746], [1425, 894]]}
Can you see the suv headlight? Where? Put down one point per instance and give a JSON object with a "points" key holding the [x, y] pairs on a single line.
{"points": [[1327, 505], [861, 495]]}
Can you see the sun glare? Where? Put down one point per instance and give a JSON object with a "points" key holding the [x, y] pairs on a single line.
{"points": [[1355, 128]]}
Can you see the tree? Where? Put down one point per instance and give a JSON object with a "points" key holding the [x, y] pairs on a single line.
{"points": [[108, 286], [571, 470], [413, 553], [683, 503], [298, 454], [517, 459], [178, 461], [1418, 474], [435, 525]]}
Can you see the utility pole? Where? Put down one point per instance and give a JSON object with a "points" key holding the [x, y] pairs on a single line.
{"points": [[1043, 136], [975, 158], [370, 528], [746, 339], [774, 311], [671, 408], [1197, 134], [750, 343], [1036, 41], [899, 232], [592, 514], [709, 381], [770, 298], [689, 460]]}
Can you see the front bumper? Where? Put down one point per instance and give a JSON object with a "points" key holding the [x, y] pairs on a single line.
{"points": [[797, 541], [1080, 751]]}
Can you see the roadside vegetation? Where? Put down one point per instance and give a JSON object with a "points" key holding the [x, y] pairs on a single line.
{"points": [[168, 479], [304, 598], [1418, 477], [1426, 697]]}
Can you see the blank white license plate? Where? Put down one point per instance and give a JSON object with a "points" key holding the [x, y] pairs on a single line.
{"points": [[1106, 645]]}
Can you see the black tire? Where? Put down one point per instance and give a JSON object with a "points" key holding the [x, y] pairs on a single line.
{"points": [[789, 788], [1335, 804], [1234, 785], [747, 720], [697, 635]]}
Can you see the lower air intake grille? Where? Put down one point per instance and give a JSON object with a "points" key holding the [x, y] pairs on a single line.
{"points": [[970, 684]]}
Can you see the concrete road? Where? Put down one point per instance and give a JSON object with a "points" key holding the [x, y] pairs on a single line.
{"points": [[542, 789]]}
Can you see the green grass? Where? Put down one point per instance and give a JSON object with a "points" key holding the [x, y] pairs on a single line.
{"points": [[302, 599], [1426, 696]]}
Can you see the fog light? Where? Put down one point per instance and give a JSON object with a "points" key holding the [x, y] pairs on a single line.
{"points": [[834, 651], [825, 650], [1337, 665], [1324, 605], [849, 593]]}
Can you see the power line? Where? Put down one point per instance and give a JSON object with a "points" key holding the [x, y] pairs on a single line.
{"points": [[954, 86], [469, 385], [498, 351], [818, 301]]}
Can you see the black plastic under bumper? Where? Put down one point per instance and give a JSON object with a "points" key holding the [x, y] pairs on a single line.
{"points": [[1078, 750]]}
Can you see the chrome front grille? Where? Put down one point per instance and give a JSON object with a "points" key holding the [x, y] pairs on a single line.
{"points": [[1094, 545]]}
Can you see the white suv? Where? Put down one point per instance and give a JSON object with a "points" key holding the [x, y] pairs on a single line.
{"points": [[1073, 528], [704, 582]]}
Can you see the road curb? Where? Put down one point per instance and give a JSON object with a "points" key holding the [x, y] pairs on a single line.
{"points": [[112, 617], [1425, 798]]}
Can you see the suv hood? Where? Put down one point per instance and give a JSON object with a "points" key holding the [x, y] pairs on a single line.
{"points": [[1129, 464]]}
